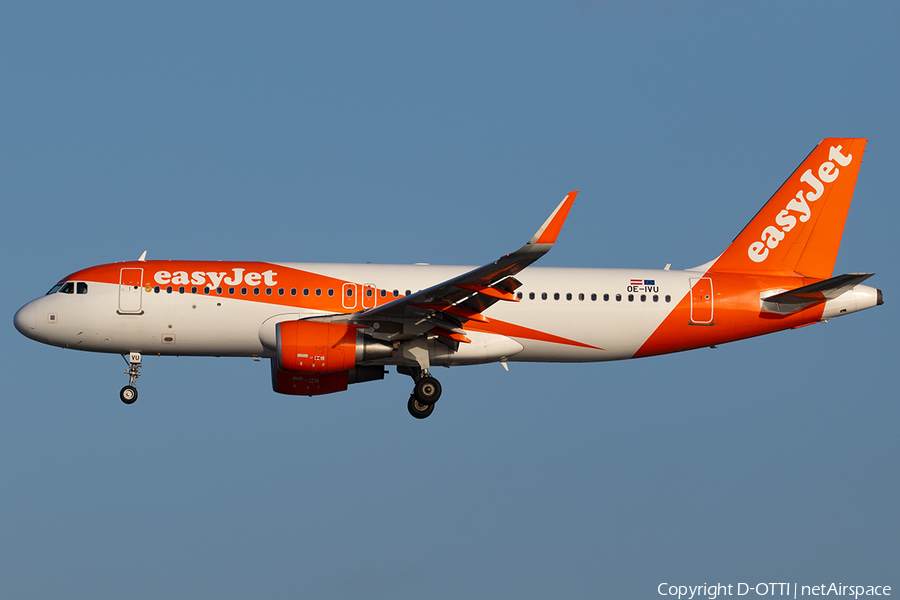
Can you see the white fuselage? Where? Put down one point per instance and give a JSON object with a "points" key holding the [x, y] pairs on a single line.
{"points": [[567, 303]]}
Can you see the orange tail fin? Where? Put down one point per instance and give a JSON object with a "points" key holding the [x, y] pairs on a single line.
{"points": [[799, 229]]}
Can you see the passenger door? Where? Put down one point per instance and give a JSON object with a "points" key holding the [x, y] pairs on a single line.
{"points": [[701, 301], [130, 290]]}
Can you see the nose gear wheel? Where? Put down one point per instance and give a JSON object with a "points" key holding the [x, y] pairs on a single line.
{"points": [[128, 394]]}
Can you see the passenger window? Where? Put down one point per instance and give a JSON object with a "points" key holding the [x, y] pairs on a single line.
{"points": [[519, 295], [243, 291], [256, 291], [408, 292], [383, 293], [543, 295], [581, 296], [306, 291], [82, 287], [606, 297], [205, 290], [655, 298], [193, 289], [231, 291], [68, 288], [318, 291], [293, 291], [331, 291], [668, 298], [531, 295], [631, 297], [156, 289], [556, 295], [268, 291], [643, 297], [281, 291], [368, 293], [169, 289], [568, 295], [349, 292], [618, 297], [396, 293], [181, 290], [54, 289]]}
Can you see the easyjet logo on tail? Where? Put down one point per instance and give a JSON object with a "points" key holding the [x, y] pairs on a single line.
{"points": [[799, 206]]}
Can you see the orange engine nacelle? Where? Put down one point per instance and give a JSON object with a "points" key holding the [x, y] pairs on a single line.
{"points": [[321, 358], [313, 347]]}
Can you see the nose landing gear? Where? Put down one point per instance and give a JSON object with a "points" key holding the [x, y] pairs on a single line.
{"points": [[129, 393]]}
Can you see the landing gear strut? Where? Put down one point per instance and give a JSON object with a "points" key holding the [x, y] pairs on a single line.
{"points": [[426, 392], [129, 393]]}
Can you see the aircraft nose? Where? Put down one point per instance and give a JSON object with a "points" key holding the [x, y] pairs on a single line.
{"points": [[24, 320]]}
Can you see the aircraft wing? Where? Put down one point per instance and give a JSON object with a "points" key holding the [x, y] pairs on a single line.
{"points": [[443, 308]]}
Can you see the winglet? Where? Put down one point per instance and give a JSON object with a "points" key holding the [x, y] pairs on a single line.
{"points": [[549, 231]]}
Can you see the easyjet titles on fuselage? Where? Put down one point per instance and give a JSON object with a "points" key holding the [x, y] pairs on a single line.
{"points": [[237, 276]]}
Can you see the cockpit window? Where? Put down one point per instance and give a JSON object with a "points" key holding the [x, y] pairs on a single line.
{"points": [[67, 288], [81, 287], [54, 289]]}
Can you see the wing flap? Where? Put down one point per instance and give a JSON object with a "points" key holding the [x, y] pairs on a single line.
{"points": [[490, 291]]}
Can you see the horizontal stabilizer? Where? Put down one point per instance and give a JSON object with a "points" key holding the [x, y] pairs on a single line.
{"points": [[813, 293]]}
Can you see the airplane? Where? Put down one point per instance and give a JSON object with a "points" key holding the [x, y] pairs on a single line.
{"points": [[326, 326]]}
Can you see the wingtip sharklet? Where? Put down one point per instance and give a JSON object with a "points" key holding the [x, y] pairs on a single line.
{"points": [[549, 231]]}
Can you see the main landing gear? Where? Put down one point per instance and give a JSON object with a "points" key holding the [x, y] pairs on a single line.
{"points": [[419, 411], [129, 393], [426, 392]]}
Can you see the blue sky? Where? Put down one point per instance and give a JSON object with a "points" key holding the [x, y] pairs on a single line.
{"points": [[422, 132]]}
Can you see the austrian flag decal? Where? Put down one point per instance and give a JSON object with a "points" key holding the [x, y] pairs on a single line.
{"points": [[642, 285]]}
